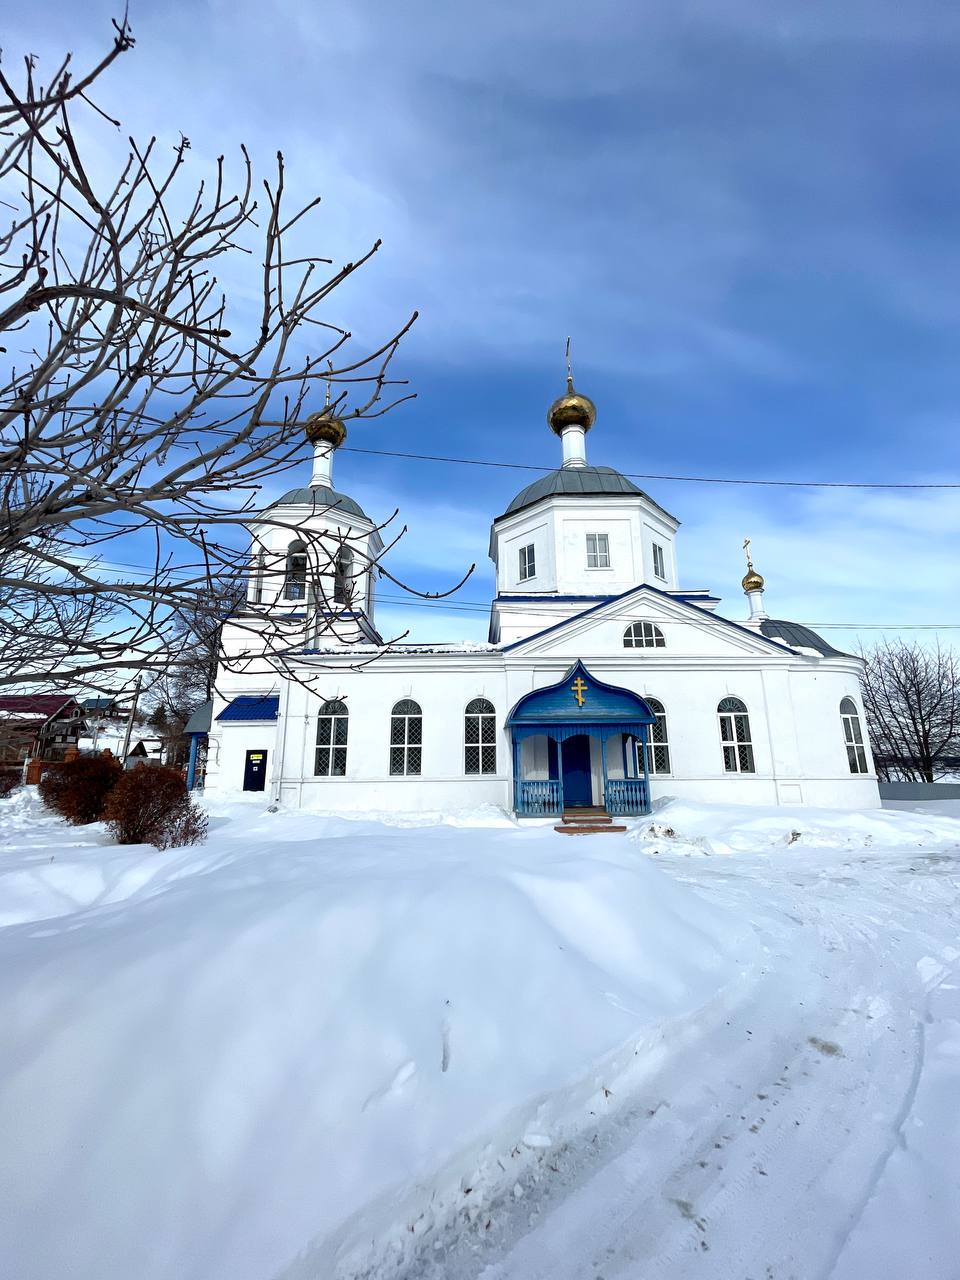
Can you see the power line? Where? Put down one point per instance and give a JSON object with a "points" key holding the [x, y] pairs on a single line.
{"points": [[641, 475], [477, 606]]}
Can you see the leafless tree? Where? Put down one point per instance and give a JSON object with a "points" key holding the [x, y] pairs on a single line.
{"points": [[911, 696], [141, 410]]}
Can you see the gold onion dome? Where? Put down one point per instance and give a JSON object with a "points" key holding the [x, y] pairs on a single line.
{"points": [[752, 581], [322, 427], [571, 410]]}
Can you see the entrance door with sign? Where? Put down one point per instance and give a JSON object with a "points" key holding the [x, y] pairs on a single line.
{"points": [[255, 771]]}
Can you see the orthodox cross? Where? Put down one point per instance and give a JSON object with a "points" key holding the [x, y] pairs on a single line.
{"points": [[746, 548], [578, 689], [569, 368]]}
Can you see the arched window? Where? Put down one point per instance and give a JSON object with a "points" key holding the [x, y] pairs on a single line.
{"points": [[735, 736], [406, 737], [258, 580], [343, 584], [295, 580], [658, 746], [643, 635], [853, 736], [332, 741], [480, 737]]}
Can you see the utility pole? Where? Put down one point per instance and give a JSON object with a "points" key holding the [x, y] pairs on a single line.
{"points": [[130, 719]]}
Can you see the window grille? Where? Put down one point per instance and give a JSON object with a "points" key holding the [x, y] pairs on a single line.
{"points": [[735, 736], [331, 761], [643, 635], [598, 551], [480, 737], [258, 584], [658, 746], [406, 737], [528, 562], [853, 736]]}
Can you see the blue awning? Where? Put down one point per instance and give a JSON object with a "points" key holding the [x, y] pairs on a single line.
{"points": [[579, 703], [251, 707]]}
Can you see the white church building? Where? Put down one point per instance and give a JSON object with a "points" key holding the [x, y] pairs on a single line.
{"points": [[604, 682]]}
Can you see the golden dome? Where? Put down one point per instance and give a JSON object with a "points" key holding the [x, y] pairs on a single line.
{"points": [[752, 581], [571, 410], [320, 426]]}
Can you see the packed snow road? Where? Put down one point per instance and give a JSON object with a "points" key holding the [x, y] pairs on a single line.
{"points": [[811, 1132]]}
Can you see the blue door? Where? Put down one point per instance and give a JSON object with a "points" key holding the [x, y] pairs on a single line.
{"points": [[577, 788]]}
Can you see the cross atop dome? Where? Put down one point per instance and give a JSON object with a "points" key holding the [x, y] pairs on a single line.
{"points": [[571, 417]]}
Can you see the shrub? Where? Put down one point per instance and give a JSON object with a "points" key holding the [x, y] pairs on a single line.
{"points": [[78, 789], [151, 805], [9, 781]]}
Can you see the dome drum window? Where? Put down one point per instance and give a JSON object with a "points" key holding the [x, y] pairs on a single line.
{"points": [[853, 736], [643, 635], [406, 738], [331, 753], [480, 737], [735, 737]]}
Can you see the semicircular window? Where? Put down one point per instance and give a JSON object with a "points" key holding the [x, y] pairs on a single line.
{"points": [[643, 635]]}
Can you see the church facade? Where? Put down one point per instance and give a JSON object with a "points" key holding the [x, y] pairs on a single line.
{"points": [[603, 682]]}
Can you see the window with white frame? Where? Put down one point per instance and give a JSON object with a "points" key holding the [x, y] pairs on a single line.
{"points": [[528, 562], [258, 581], [853, 736], [406, 737], [480, 737], [658, 568], [735, 736], [658, 745], [643, 635], [598, 551], [331, 760]]}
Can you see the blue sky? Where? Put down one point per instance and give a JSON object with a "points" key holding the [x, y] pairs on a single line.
{"points": [[746, 215]]}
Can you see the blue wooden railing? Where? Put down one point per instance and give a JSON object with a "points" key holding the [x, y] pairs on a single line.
{"points": [[627, 795], [538, 797]]}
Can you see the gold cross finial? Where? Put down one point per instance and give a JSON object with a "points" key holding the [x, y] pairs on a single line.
{"points": [[326, 399], [578, 689], [746, 550], [569, 368]]}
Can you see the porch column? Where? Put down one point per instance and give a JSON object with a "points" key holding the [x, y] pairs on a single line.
{"points": [[516, 773], [192, 762], [644, 730], [603, 761]]}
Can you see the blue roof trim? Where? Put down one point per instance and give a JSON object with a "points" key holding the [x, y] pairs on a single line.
{"points": [[251, 707], [601, 703], [666, 595]]}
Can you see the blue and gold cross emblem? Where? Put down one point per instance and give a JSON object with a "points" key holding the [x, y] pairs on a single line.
{"points": [[578, 689]]}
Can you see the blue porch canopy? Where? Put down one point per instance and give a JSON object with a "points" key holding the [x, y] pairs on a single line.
{"points": [[580, 704]]}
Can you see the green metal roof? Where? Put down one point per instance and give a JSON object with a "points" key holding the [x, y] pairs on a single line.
{"points": [[320, 497]]}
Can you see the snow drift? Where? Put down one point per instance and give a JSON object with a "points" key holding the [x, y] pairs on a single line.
{"points": [[314, 1038]]}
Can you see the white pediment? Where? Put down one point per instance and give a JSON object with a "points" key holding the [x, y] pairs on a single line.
{"points": [[688, 632]]}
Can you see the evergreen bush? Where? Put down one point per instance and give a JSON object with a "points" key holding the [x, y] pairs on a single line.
{"points": [[78, 788], [151, 805]]}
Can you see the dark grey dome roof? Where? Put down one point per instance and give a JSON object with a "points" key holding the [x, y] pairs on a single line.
{"points": [[320, 497], [799, 636], [574, 481]]}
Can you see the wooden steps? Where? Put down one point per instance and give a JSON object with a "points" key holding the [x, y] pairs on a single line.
{"points": [[587, 822]]}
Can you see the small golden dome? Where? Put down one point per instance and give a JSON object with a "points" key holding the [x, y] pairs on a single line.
{"points": [[320, 426], [752, 581], [571, 410]]}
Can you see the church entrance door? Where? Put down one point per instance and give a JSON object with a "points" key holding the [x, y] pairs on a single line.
{"points": [[255, 771], [577, 776]]}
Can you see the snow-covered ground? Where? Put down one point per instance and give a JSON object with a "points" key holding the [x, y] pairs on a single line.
{"points": [[724, 1045]]}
